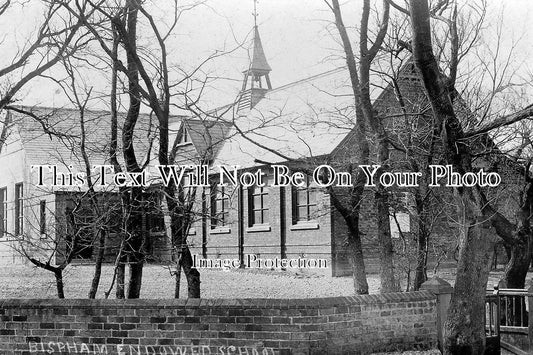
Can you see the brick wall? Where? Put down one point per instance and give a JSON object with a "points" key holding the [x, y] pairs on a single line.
{"points": [[359, 324], [310, 242]]}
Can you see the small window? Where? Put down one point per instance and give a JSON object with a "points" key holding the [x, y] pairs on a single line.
{"points": [[402, 204], [257, 205], [400, 223], [19, 209], [304, 203], [42, 217], [219, 207], [3, 212]]}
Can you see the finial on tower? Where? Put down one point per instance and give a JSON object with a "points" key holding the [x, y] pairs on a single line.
{"points": [[255, 14]]}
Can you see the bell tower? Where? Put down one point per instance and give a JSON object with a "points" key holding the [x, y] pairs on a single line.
{"points": [[256, 78]]}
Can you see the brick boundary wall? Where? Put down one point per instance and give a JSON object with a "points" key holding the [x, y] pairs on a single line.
{"points": [[340, 325]]}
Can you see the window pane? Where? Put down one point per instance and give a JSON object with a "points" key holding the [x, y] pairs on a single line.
{"points": [[302, 197], [313, 212], [265, 216], [257, 202], [302, 213], [257, 217], [312, 197]]}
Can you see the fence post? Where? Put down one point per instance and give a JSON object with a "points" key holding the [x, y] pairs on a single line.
{"points": [[443, 291], [530, 317]]}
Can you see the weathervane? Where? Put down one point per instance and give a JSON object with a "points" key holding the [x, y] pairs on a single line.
{"points": [[255, 14]]}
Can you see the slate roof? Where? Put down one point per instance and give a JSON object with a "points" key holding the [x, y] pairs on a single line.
{"points": [[207, 136], [55, 138], [304, 119]]}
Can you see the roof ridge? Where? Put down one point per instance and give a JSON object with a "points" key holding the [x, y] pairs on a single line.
{"points": [[87, 110], [283, 87], [312, 77]]}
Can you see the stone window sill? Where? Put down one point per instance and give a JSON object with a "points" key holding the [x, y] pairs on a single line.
{"points": [[307, 225], [259, 228], [221, 230]]}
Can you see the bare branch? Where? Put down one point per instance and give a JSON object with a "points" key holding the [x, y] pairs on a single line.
{"points": [[526, 113]]}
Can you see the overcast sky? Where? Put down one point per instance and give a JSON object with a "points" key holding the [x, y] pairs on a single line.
{"points": [[294, 33]]}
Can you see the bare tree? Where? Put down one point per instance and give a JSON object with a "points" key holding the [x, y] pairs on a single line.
{"points": [[464, 329], [360, 80], [150, 82]]}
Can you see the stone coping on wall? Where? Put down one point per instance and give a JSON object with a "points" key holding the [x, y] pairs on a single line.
{"points": [[220, 302]]}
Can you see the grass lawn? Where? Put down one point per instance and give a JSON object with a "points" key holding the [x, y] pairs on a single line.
{"points": [[24, 281]]}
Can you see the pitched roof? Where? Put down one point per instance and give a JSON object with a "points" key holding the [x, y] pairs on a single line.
{"points": [[308, 118], [54, 135], [207, 136]]}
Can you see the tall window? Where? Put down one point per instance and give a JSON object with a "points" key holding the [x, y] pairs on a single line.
{"points": [[219, 207], [3, 211], [19, 209], [42, 217], [257, 205], [304, 206]]}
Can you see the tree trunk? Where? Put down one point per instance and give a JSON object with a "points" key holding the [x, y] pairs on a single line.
{"points": [[381, 196], [192, 275], [98, 264], [422, 237], [355, 246], [515, 277], [518, 265], [121, 279], [365, 116], [177, 277], [136, 274], [58, 273], [180, 210], [521, 250], [136, 245], [132, 200], [464, 329], [421, 260], [386, 250], [358, 266], [356, 255]]}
